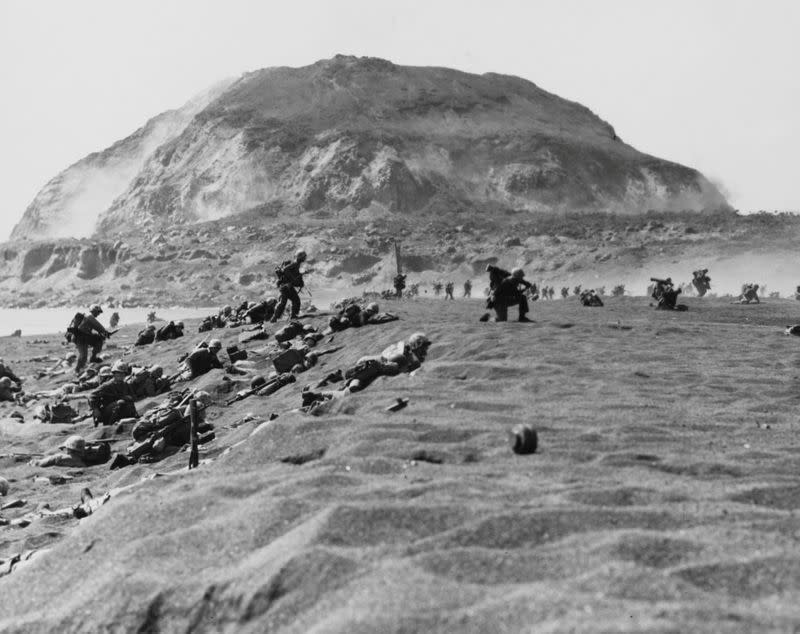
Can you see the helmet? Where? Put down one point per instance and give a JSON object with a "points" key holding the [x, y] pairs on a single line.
{"points": [[310, 340], [121, 367], [151, 327], [156, 370], [257, 381], [104, 371], [517, 273], [300, 255], [204, 398], [418, 340], [74, 443], [668, 280], [95, 309], [179, 324], [215, 344], [372, 307], [5, 382]]}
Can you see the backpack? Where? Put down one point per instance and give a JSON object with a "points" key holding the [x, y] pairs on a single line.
{"points": [[287, 275], [72, 328]]}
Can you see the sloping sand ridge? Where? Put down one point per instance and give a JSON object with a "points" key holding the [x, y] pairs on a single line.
{"points": [[663, 496]]}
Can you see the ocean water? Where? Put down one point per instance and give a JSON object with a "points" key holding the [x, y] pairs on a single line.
{"points": [[47, 321]]}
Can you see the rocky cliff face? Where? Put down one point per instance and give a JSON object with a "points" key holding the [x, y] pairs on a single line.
{"points": [[71, 203], [362, 137]]}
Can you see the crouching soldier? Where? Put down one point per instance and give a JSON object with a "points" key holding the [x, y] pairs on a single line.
{"points": [[146, 382], [8, 391], [749, 294], [511, 292], [590, 298], [6, 372], [261, 312], [166, 430], [204, 360], [172, 330], [666, 294], [114, 399], [146, 336]]}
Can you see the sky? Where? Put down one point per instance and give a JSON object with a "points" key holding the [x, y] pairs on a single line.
{"points": [[706, 83]]}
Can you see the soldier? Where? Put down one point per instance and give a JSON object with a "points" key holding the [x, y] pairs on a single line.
{"points": [[146, 336], [89, 333], [5, 371], [113, 400], [468, 288], [403, 356], [577, 290], [172, 330], [590, 298], [508, 293], [289, 278], [437, 288], [72, 455], [797, 293], [665, 294], [399, 283], [448, 290], [8, 390], [552, 292], [749, 294], [564, 292], [496, 275], [203, 360], [701, 281], [262, 311]]}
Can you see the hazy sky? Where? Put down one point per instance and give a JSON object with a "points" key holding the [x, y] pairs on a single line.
{"points": [[710, 84]]}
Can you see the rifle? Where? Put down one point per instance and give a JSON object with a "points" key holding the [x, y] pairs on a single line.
{"points": [[277, 383], [243, 394], [319, 353], [265, 389], [111, 332], [194, 457]]}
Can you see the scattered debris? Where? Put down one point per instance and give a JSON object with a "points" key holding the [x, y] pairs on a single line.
{"points": [[399, 404], [523, 439]]}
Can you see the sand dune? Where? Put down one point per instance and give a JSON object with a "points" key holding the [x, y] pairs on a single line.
{"points": [[663, 497]]}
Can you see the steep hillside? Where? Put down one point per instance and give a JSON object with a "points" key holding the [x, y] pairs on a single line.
{"points": [[70, 204], [361, 137]]}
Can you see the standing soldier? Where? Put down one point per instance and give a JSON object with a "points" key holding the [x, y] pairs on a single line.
{"points": [[399, 284], [468, 288], [448, 290], [289, 280], [437, 288], [89, 333]]}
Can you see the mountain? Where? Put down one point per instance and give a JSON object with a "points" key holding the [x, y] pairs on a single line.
{"points": [[361, 137]]}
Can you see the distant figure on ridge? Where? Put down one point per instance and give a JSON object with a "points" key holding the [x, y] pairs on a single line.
{"points": [[448, 290], [701, 281], [666, 294], [468, 288], [749, 294], [399, 283]]}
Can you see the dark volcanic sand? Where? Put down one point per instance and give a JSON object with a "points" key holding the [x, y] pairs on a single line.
{"points": [[664, 496]]}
